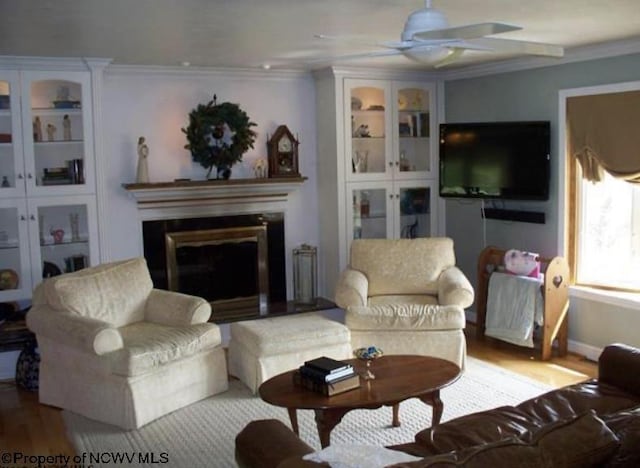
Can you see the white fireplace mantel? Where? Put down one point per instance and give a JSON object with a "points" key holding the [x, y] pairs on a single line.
{"points": [[166, 200]]}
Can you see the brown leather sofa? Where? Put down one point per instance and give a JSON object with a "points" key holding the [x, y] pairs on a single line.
{"points": [[593, 423]]}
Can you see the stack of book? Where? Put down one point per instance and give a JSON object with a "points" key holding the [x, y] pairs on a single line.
{"points": [[56, 176], [327, 376]]}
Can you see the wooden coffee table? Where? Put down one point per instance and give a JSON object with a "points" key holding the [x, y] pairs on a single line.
{"points": [[398, 378]]}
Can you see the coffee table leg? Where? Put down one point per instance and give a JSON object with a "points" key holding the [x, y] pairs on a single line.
{"points": [[326, 420], [293, 417], [433, 400], [395, 422]]}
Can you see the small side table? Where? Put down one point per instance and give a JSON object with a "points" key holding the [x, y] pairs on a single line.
{"points": [[14, 335]]}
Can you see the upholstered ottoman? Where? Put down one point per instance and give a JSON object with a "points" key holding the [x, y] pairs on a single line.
{"points": [[260, 349]]}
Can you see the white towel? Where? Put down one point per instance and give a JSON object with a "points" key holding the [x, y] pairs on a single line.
{"points": [[514, 305]]}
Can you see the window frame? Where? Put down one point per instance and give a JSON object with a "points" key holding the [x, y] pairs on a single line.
{"points": [[569, 190]]}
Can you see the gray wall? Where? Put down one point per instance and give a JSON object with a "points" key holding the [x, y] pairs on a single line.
{"points": [[533, 95]]}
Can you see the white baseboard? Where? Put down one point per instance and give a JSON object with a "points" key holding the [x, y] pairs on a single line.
{"points": [[8, 364], [590, 352]]}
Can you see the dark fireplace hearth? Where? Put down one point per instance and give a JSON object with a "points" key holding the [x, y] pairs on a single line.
{"points": [[236, 262]]}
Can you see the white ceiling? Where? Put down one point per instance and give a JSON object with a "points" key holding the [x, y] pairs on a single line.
{"points": [[250, 33]]}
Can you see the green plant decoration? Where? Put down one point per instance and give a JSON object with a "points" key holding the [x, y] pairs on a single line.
{"points": [[218, 135]]}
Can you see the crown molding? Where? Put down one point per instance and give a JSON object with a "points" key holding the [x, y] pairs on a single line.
{"points": [[147, 70], [52, 63], [576, 54], [380, 73]]}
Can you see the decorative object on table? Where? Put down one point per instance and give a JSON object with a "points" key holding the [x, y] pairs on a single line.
{"points": [[37, 129], [66, 127], [305, 274], [282, 150], [5, 182], [75, 226], [57, 234], [51, 132], [9, 279], [261, 168], [368, 354], [218, 135], [50, 270], [142, 173]]}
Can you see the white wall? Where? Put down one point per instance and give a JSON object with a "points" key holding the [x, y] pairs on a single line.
{"points": [[155, 103]]}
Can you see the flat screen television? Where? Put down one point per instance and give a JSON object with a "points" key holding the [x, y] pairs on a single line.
{"points": [[508, 160]]}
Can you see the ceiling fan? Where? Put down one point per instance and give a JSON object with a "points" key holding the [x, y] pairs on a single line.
{"points": [[427, 37]]}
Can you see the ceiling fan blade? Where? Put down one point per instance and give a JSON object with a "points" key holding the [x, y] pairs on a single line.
{"points": [[521, 47], [348, 40], [456, 53], [470, 31]]}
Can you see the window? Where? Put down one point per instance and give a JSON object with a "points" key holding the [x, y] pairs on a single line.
{"points": [[607, 234]]}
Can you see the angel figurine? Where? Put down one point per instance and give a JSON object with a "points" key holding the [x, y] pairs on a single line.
{"points": [[142, 174]]}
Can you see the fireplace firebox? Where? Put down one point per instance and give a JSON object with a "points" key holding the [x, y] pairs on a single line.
{"points": [[236, 262]]}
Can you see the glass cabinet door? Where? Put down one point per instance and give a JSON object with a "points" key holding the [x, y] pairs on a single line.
{"points": [[62, 228], [414, 128], [371, 208], [15, 282], [369, 153], [11, 159], [57, 124], [415, 210]]}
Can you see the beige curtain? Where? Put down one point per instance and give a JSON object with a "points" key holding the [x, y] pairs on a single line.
{"points": [[604, 134]]}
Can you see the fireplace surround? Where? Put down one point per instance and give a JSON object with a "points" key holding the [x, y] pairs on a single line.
{"points": [[209, 219]]}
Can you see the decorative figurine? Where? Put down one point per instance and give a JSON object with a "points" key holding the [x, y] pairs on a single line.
{"points": [[142, 175], [37, 129], [5, 182], [66, 127], [51, 132], [260, 168]]}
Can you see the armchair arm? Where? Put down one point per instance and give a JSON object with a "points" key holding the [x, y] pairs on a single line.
{"points": [[352, 289], [87, 334], [454, 288], [176, 309]]}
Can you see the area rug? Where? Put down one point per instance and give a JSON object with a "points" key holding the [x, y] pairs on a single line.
{"points": [[202, 435]]}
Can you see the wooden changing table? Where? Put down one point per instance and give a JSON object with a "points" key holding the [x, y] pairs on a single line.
{"points": [[555, 292]]}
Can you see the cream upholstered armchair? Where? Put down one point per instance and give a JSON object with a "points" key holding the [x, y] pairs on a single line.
{"points": [[114, 349], [406, 296]]}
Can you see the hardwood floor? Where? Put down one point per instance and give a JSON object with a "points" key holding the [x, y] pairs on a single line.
{"points": [[31, 428]]}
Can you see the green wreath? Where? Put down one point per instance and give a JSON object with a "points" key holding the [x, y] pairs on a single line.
{"points": [[218, 135]]}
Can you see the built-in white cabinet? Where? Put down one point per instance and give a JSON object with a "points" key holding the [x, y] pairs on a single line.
{"points": [[48, 219], [377, 147]]}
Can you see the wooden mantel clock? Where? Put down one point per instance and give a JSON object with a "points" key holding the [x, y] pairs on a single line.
{"points": [[282, 150]]}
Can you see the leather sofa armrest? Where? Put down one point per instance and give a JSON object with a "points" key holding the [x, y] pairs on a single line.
{"points": [[85, 333], [352, 289], [268, 443], [454, 288], [619, 365], [176, 309]]}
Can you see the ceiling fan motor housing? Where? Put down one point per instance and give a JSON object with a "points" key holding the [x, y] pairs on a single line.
{"points": [[425, 19]]}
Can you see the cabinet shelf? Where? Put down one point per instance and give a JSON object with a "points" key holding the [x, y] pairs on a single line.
{"points": [[379, 112], [54, 111], [368, 138], [9, 246], [58, 142], [64, 243]]}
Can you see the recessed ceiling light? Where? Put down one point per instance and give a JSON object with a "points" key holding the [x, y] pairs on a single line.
{"points": [[266, 66], [186, 64]]}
